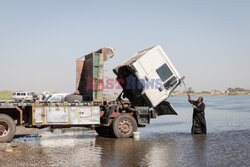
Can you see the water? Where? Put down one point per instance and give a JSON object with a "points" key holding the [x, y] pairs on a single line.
{"points": [[165, 142]]}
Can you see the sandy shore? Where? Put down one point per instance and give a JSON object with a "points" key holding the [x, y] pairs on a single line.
{"points": [[15, 153]]}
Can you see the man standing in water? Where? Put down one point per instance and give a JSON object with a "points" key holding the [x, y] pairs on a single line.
{"points": [[199, 122]]}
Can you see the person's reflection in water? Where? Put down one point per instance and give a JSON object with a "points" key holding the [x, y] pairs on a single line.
{"points": [[118, 152], [200, 141], [199, 150]]}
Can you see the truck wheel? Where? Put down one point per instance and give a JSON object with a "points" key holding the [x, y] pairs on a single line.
{"points": [[104, 131], [124, 125], [7, 128]]}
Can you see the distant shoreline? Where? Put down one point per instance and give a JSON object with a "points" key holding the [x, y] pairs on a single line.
{"points": [[6, 95], [211, 94], [182, 94]]}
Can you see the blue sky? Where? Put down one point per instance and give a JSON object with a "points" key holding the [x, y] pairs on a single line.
{"points": [[208, 41]]}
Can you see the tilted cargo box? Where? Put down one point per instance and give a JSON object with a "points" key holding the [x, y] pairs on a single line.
{"points": [[89, 74]]}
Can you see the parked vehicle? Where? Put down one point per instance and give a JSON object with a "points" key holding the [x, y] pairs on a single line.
{"points": [[24, 96], [118, 118], [45, 94]]}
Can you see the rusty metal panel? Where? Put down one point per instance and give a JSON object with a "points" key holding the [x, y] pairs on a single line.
{"points": [[89, 73], [79, 68]]}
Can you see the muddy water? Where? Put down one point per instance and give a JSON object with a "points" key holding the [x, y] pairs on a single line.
{"points": [[165, 142]]}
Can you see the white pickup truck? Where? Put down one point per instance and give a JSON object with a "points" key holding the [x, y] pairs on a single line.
{"points": [[24, 96]]}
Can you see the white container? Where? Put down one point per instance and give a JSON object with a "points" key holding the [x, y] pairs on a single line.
{"points": [[136, 135]]}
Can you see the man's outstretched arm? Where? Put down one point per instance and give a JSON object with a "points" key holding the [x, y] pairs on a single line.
{"points": [[189, 99]]}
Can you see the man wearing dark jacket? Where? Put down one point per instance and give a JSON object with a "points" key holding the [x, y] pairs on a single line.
{"points": [[199, 122]]}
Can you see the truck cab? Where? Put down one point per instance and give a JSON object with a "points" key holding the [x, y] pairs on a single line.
{"points": [[148, 78]]}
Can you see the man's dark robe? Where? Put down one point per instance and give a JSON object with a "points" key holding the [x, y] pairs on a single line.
{"points": [[199, 122]]}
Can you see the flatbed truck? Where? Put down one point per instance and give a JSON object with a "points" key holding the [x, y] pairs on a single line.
{"points": [[138, 102]]}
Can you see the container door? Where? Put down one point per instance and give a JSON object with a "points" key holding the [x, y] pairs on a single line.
{"points": [[38, 115], [57, 115]]}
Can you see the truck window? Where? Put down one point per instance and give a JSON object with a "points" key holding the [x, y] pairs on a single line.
{"points": [[18, 94], [23, 94], [164, 72], [171, 82]]}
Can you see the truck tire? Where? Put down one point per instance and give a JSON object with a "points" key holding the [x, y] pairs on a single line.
{"points": [[7, 128], [124, 125], [105, 131], [73, 98]]}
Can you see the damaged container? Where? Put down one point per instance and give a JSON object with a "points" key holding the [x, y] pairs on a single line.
{"points": [[89, 74]]}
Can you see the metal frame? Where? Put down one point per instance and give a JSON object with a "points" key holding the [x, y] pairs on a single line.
{"points": [[45, 116]]}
